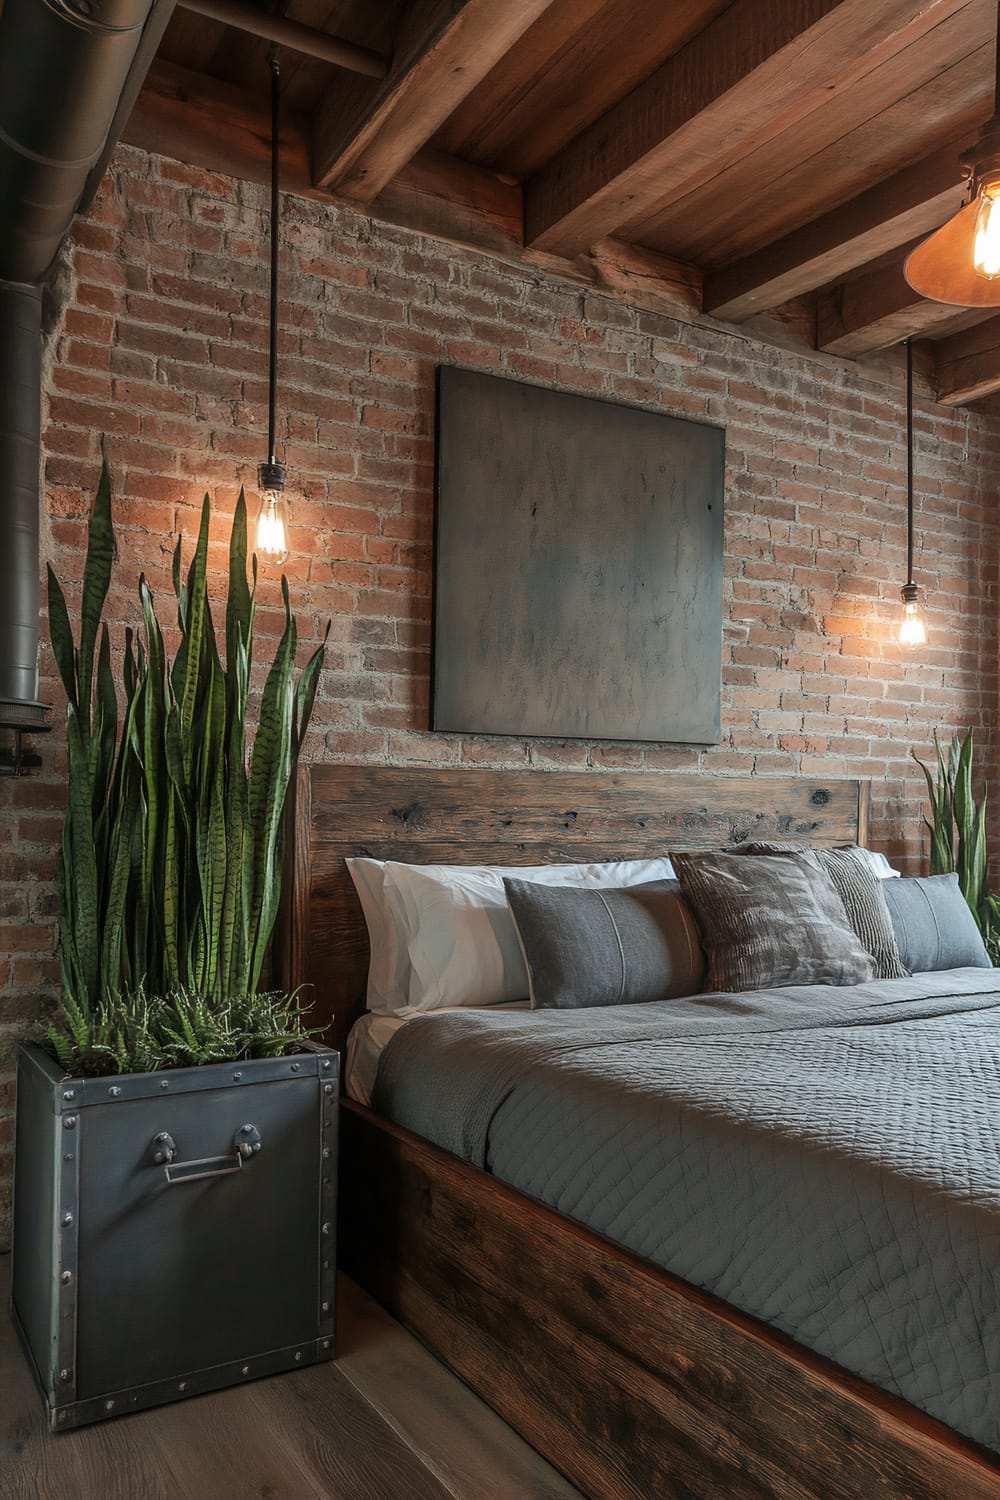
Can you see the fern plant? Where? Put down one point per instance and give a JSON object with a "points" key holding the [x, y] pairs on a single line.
{"points": [[957, 828], [138, 1033], [171, 861]]}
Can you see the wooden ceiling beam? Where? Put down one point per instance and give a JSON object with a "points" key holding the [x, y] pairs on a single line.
{"points": [[365, 134], [904, 207], [198, 119], [748, 76], [968, 364], [873, 311]]}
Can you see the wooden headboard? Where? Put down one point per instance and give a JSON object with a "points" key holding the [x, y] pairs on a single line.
{"points": [[424, 816]]}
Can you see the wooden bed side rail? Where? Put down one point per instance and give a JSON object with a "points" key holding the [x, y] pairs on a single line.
{"points": [[634, 1384]]}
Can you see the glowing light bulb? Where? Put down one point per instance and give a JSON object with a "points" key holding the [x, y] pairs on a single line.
{"points": [[986, 249], [272, 521], [912, 630]]}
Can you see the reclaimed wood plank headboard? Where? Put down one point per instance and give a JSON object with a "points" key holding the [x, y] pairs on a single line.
{"points": [[425, 815]]}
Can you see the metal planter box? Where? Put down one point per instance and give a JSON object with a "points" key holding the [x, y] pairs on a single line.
{"points": [[173, 1232]]}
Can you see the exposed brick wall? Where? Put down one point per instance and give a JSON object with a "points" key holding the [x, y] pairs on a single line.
{"points": [[162, 347]]}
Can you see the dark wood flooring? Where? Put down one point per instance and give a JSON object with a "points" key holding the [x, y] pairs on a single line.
{"points": [[385, 1422]]}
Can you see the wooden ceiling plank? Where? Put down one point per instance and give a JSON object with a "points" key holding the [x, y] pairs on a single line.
{"points": [[968, 364], [904, 207], [570, 67], [874, 311], [748, 76], [929, 93], [363, 137]]}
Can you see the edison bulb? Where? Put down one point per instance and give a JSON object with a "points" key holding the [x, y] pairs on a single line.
{"points": [[986, 251], [272, 529], [272, 518], [912, 630]]}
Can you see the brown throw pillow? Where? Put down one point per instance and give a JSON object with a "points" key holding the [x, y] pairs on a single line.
{"points": [[864, 901], [770, 921], [606, 947]]}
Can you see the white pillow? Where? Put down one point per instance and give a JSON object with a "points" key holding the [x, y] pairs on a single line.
{"points": [[877, 863], [389, 966], [460, 935]]}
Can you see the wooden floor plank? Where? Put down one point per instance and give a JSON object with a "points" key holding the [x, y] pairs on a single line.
{"points": [[385, 1422], [257, 1454], [341, 1441], [111, 1461], [471, 1449]]}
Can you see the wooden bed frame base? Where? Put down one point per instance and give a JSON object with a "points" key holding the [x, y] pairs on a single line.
{"points": [[632, 1383]]}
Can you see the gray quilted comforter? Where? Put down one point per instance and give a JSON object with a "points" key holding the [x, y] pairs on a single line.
{"points": [[827, 1160]]}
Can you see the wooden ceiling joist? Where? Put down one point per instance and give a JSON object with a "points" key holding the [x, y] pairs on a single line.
{"points": [[873, 311], [364, 135], [968, 364], [904, 207], [748, 76]]}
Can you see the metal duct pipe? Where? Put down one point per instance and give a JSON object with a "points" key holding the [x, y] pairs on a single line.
{"points": [[63, 65], [20, 432]]}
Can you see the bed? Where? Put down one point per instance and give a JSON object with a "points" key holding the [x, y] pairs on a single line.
{"points": [[630, 1380]]}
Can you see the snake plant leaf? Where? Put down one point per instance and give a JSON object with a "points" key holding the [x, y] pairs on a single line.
{"points": [[175, 846], [940, 824], [240, 599], [196, 622], [305, 693], [114, 934], [62, 639], [106, 722], [957, 826], [269, 775], [96, 582], [965, 812], [83, 869], [179, 590]]}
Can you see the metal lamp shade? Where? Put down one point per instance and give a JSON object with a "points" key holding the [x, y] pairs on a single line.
{"points": [[942, 268]]}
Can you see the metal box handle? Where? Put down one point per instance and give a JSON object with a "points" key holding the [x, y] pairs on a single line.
{"points": [[246, 1144]]}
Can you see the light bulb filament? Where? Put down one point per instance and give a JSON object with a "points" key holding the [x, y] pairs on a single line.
{"points": [[986, 250]]}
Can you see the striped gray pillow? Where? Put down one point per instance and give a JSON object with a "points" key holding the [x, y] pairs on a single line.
{"points": [[606, 947], [935, 926], [771, 921], [864, 901]]}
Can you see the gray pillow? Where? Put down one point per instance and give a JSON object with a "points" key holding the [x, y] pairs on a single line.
{"points": [[860, 889], [934, 927], [606, 947], [770, 921]]}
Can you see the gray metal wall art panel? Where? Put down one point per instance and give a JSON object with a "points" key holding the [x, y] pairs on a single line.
{"points": [[578, 566]]}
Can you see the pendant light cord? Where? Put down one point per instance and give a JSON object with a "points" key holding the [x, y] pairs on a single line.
{"points": [[909, 461], [273, 358], [996, 85]]}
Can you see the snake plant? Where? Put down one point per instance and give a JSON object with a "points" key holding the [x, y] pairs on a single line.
{"points": [[957, 827], [170, 871]]}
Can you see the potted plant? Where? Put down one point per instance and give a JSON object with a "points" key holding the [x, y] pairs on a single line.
{"points": [[175, 1139], [957, 827]]}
